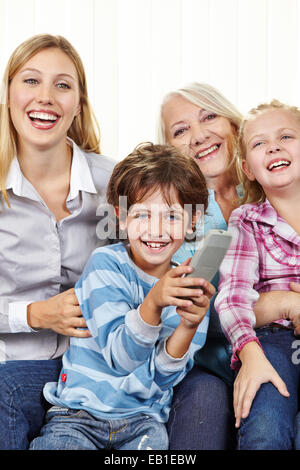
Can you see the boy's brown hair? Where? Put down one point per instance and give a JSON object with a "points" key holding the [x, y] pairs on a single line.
{"points": [[153, 167]]}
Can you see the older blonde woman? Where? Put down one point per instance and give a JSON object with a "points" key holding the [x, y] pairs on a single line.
{"points": [[52, 179]]}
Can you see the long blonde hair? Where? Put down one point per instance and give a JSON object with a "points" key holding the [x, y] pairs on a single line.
{"points": [[253, 191], [209, 98], [84, 129]]}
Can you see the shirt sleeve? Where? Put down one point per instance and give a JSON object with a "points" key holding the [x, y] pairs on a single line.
{"points": [[169, 371], [239, 272], [13, 316], [104, 294]]}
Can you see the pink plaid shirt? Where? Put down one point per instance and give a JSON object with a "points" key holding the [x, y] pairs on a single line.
{"points": [[264, 255]]}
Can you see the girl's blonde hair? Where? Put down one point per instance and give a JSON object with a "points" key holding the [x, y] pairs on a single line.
{"points": [[253, 191], [209, 98], [84, 129]]}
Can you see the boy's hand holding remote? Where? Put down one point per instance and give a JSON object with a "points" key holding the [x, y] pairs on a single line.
{"points": [[173, 289]]}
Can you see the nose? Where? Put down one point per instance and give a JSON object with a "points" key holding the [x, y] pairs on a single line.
{"points": [[155, 225], [44, 95], [273, 148], [199, 135]]}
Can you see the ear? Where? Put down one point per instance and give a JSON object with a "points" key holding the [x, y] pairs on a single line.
{"points": [[247, 170], [78, 110]]}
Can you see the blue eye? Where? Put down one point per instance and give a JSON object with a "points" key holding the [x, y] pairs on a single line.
{"points": [[257, 144], [31, 81], [179, 132], [141, 215], [174, 217], [63, 86], [210, 116], [284, 137]]}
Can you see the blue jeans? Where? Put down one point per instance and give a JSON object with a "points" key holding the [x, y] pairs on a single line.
{"points": [[22, 405], [297, 432], [201, 416], [67, 429], [272, 418]]}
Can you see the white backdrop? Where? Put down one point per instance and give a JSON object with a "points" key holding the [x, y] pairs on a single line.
{"points": [[135, 51]]}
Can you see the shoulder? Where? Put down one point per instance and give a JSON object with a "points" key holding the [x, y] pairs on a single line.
{"points": [[241, 220], [111, 257], [245, 212], [99, 163]]}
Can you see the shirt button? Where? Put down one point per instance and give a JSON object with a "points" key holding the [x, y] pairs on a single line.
{"points": [[293, 261]]}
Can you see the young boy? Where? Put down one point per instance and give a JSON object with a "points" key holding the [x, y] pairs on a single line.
{"points": [[146, 320]]}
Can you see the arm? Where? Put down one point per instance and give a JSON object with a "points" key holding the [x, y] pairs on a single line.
{"points": [[239, 273], [174, 354], [234, 303], [191, 304], [107, 294], [277, 305], [60, 313], [13, 316]]}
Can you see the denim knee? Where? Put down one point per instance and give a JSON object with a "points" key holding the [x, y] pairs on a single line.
{"points": [[265, 431]]}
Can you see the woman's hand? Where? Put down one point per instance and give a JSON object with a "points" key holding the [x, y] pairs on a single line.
{"points": [[60, 313], [255, 370]]}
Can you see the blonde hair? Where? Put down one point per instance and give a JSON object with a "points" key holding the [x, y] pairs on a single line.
{"points": [[84, 129], [209, 98], [253, 191]]}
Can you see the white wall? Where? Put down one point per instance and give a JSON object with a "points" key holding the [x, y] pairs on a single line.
{"points": [[135, 51]]}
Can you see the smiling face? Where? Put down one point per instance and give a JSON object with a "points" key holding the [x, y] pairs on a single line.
{"points": [[155, 232], [202, 134], [272, 146], [44, 99]]}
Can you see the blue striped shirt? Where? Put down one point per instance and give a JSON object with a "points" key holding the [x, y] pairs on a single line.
{"points": [[123, 369]]}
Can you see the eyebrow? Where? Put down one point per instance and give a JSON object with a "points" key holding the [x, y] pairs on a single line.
{"points": [[201, 111], [175, 210], [177, 124], [29, 69]]}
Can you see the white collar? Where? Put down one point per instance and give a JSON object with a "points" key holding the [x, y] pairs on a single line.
{"points": [[81, 177]]}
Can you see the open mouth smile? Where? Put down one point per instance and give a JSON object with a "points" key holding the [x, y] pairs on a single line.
{"points": [[207, 151], [278, 165], [155, 246], [43, 120]]}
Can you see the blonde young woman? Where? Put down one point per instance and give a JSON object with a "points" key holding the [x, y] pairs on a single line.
{"points": [[201, 121], [52, 179]]}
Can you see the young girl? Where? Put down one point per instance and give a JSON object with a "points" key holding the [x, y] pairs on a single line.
{"points": [[52, 180], [115, 388], [264, 256]]}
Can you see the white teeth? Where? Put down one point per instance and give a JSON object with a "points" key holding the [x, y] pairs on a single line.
{"points": [[279, 163], [206, 152], [155, 245], [43, 116]]}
